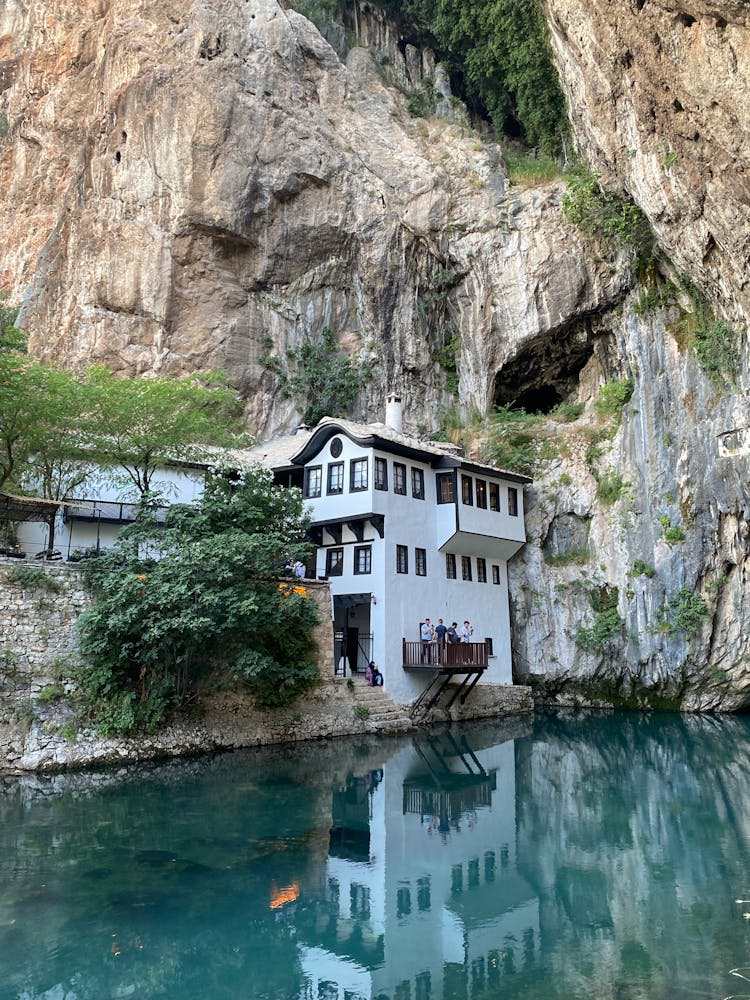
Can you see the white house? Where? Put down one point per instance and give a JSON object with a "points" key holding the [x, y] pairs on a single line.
{"points": [[406, 530]]}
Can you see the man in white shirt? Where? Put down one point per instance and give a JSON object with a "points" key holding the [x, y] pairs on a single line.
{"points": [[466, 632], [426, 634]]}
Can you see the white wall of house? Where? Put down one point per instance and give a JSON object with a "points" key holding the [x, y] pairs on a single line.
{"points": [[178, 484]]}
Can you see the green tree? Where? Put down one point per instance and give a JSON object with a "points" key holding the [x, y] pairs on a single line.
{"points": [[323, 377], [502, 50], [140, 424], [212, 599]]}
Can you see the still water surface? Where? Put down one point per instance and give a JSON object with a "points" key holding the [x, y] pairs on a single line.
{"points": [[589, 856]]}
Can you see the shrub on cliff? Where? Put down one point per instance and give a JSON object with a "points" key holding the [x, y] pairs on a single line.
{"points": [[174, 602], [500, 51]]}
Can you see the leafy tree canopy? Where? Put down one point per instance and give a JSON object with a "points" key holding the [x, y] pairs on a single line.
{"points": [[139, 424], [501, 49], [325, 379], [174, 603]]}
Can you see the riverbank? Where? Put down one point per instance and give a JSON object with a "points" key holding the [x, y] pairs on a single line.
{"points": [[40, 730]]}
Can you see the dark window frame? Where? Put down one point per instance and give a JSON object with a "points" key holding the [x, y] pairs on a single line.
{"points": [[466, 569], [355, 465], [381, 466], [443, 479], [417, 483], [512, 501], [399, 472], [490, 646], [494, 496], [450, 566], [481, 570], [338, 569], [330, 491], [363, 550], [467, 491], [402, 559], [318, 470], [480, 492], [420, 562], [495, 573]]}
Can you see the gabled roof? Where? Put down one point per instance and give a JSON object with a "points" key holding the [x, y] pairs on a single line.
{"points": [[384, 438]]}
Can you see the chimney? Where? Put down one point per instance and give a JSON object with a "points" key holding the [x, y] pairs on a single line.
{"points": [[393, 412]]}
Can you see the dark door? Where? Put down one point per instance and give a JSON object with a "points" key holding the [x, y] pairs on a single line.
{"points": [[352, 647]]}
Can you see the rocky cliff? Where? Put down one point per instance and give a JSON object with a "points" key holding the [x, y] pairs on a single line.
{"points": [[202, 183]]}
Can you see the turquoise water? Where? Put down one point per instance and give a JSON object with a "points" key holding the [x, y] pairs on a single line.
{"points": [[585, 856]]}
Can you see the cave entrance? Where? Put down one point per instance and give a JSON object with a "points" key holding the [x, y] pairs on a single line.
{"points": [[545, 372]]}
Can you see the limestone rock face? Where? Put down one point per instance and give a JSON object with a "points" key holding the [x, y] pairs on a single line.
{"points": [[659, 95], [197, 184], [670, 551]]}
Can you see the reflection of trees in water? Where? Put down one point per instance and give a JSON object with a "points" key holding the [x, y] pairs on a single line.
{"points": [[634, 832]]}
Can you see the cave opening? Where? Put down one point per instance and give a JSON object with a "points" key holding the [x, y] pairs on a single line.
{"points": [[545, 372]]}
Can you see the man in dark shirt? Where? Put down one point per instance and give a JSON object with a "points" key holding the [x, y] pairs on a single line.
{"points": [[440, 633]]}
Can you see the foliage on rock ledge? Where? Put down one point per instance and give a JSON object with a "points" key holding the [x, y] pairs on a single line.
{"points": [[173, 603]]}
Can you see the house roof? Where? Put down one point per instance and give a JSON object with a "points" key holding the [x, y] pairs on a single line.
{"points": [[440, 455], [15, 508]]}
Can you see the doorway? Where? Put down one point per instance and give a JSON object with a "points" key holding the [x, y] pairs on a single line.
{"points": [[352, 634]]}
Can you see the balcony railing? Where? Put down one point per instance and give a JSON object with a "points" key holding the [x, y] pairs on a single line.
{"points": [[454, 656], [106, 512]]}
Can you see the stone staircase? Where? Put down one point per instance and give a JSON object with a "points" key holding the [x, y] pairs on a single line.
{"points": [[385, 714]]}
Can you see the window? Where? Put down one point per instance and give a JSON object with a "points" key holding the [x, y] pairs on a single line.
{"points": [[335, 478], [362, 559], [450, 566], [446, 487], [399, 478], [494, 496], [417, 484], [457, 880], [496, 574], [481, 494], [423, 893], [313, 480], [358, 475], [481, 571], [490, 647], [402, 559], [465, 567], [403, 902], [512, 501], [359, 900], [420, 562], [381, 474], [334, 562], [489, 856], [473, 873], [467, 495]]}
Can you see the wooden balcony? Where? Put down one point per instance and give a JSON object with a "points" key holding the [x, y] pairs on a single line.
{"points": [[453, 658]]}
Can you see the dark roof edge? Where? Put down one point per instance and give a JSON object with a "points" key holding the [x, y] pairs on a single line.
{"points": [[374, 440]]}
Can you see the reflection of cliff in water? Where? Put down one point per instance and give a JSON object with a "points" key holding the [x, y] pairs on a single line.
{"points": [[635, 833]]}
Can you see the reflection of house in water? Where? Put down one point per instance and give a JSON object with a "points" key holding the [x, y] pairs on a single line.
{"points": [[424, 898]]}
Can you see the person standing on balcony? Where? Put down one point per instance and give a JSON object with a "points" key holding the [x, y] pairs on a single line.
{"points": [[426, 634], [466, 632], [441, 631]]}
